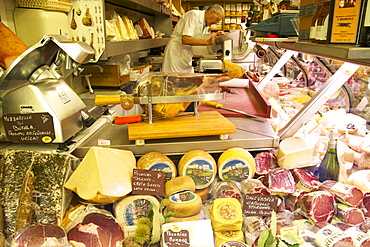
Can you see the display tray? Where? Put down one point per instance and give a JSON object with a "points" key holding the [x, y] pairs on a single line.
{"points": [[249, 100], [206, 124]]}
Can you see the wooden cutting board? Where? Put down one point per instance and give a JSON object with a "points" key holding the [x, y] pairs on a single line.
{"points": [[206, 124]]}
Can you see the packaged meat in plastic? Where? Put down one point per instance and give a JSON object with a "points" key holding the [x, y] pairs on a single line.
{"points": [[319, 206], [350, 215], [292, 199], [305, 180], [253, 227], [280, 181], [265, 162], [227, 189], [39, 235], [173, 84], [365, 205], [254, 186], [148, 32], [334, 236], [94, 226], [345, 193]]}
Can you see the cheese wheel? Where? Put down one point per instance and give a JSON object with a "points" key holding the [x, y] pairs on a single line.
{"points": [[131, 208], [295, 152], [236, 164], [156, 161], [177, 184], [203, 193], [184, 204], [200, 166], [179, 219], [225, 236], [226, 214]]}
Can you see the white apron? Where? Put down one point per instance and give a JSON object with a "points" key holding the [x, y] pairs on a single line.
{"points": [[177, 56]]}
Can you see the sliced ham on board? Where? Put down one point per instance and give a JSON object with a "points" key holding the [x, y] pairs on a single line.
{"points": [[319, 206], [96, 230], [345, 193]]}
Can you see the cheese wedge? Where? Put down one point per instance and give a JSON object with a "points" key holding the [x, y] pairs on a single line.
{"points": [[104, 175], [295, 152]]}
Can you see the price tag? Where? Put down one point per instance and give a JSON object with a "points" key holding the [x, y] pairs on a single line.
{"points": [[148, 182], [259, 205], [29, 128], [176, 237]]}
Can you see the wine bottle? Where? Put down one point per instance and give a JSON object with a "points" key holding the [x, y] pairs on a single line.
{"points": [[329, 166]]}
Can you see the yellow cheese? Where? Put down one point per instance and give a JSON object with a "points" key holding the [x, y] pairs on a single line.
{"points": [[184, 204], [295, 152], [224, 236], [236, 164], [200, 166], [360, 179], [156, 161], [203, 193], [182, 219], [104, 175], [226, 214], [177, 184]]}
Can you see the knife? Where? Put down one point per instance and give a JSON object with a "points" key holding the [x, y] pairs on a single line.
{"points": [[221, 106]]}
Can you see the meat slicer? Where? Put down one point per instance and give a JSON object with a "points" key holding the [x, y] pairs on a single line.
{"points": [[234, 46], [37, 105]]}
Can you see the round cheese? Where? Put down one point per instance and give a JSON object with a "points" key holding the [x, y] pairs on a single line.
{"points": [[236, 164], [131, 208], [226, 214], [184, 204], [179, 219], [203, 193], [200, 166], [177, 184], [158, 162], [225, 236]]}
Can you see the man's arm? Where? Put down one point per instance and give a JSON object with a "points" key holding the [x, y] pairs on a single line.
{"points": [[189, 40]]}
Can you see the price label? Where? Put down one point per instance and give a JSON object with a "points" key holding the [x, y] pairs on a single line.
{"points": [[29, 128], [259, 205], [148, 182], [176, 237]]}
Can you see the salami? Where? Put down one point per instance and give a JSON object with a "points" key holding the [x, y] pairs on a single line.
{"points": [[319, 206], [345, 193]]}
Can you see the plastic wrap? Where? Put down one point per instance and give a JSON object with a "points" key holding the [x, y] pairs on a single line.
{"points": [[173, 84], [226, 189]]}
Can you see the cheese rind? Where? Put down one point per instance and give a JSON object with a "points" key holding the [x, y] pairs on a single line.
{"points": [[295, 152], [236, 164], [184, 204], [177, 184], [200, 166], [156, 161], [104, 175]]}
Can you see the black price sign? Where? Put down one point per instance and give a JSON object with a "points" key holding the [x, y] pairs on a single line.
{"points": [[29, 128], [148, 182], [176, 238], [259, 205]]}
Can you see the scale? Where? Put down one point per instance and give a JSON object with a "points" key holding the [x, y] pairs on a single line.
{"points": [[37, 105], [164, 98]]}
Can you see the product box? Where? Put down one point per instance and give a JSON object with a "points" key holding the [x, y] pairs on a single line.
{"points": [[138, 71], [104, 75], [304, 27]]}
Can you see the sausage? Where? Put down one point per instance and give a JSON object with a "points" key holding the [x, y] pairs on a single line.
{"points": [[11, 46]]}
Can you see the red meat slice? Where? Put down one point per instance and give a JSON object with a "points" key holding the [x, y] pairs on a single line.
{"points": [[305, 180], [365, 205], [265, 162], [350, 215], [281, 182], [319, 206], [345, 193], [359, 238], [40, 234], [97, 230]]}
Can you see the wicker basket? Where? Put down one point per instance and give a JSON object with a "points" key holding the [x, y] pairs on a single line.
{"points": [[45, 4]]}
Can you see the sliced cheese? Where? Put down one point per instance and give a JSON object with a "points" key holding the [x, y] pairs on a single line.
{"points": [[295, 152], [226, 214], [104, 175], [200, 166], [177, 184], [156, 161], [184, 204], [225, 236], [236, 164]]}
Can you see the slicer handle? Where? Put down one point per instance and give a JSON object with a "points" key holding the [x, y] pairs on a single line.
{"points": [[107, 100], [214, 104]]}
